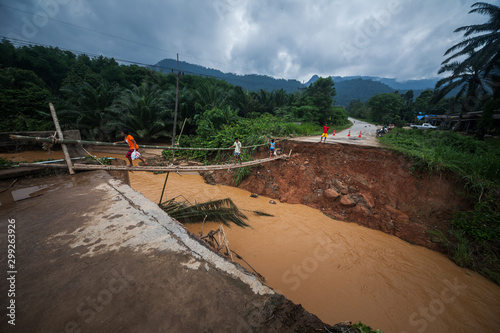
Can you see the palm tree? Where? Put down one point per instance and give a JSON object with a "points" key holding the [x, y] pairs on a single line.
{"points": [[143, 111], [482, 49], [482, 55], [210, 95], [93, 113], [243, 101]]}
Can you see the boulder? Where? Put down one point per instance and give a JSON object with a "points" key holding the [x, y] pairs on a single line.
{"points": [[347, 201], [331, 194]]}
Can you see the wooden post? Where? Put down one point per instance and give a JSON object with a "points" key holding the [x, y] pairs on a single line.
{"points": [[60, 135]]}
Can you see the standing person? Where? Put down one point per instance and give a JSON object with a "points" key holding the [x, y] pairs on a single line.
{"points": [[271, 148], [325, 133], [237, 150], [129, 139]]}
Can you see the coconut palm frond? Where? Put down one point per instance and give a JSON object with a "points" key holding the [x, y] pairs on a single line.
{"points": [[223, 210]]}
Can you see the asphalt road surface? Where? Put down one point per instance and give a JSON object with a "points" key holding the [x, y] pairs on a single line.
{"points": [[360, 133]]}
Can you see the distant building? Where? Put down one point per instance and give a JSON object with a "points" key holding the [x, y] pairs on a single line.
{"points": [[468, 123]]}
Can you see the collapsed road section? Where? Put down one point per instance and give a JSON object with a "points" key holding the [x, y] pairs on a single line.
{"points": [[93, 255]]}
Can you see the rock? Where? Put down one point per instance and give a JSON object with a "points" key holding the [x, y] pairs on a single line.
{"points": [[347, 201], [369, 199], [362, 210], [397, 214], [331, 193], [352, 189], [209, 177], [272, 202], [253, 195]]}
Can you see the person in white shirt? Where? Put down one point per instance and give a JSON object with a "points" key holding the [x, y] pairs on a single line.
{"points": [[237, 150]]}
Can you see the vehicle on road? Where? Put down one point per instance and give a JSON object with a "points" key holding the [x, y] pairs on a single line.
{"points": [[382, 131], [424, 126]]}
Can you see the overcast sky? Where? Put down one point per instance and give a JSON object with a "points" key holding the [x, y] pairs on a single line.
{"points": [[291, 39]]}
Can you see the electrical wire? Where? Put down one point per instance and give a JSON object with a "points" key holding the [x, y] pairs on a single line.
{"points": [[106, 34]]}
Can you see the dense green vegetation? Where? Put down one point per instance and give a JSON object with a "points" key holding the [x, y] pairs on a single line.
{"points": [[473, 239], [99, 97]]}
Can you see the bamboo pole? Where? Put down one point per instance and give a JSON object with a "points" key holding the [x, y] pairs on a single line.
{"points": [[164, 184], [174, 168], [101, 143], [60, 134]]}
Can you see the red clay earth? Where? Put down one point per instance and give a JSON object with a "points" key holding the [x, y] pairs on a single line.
{"points": [[371, 186]]}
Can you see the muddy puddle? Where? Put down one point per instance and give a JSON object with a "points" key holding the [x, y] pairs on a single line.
{"points": [[341, 271]]}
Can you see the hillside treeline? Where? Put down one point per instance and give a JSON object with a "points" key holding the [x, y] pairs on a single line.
{"points": [[99, 97]]}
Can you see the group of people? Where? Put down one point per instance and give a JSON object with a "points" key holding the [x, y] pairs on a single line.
{"points": [[133, 152], [134, 148], [237, 150]]}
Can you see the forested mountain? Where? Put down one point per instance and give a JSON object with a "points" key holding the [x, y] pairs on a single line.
{"points": [[358, 89], [250, 82], [392, 83], [348, 88]]}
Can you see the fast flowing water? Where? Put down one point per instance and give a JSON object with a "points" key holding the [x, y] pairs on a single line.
{"points": [[341, 271]]}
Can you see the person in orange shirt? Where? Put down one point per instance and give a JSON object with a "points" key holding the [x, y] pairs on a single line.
{"points": [[129, 139]]}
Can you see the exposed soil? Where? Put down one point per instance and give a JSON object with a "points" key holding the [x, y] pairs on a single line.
{"points": [[371, 186]]}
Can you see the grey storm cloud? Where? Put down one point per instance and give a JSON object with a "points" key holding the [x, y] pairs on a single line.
{"points": [[292, 39]]}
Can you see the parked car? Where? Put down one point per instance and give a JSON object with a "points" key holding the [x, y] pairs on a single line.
{"points": [[424, 126]]}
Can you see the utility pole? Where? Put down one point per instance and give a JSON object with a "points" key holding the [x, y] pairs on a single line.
{"points": [[176, 102]]}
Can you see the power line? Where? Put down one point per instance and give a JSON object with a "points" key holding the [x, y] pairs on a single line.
{"points": [[106, 34], [170, 69], [25, 43], [85, 28]]}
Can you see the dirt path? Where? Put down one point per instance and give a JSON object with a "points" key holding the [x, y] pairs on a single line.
{"points": [[92, 255]]}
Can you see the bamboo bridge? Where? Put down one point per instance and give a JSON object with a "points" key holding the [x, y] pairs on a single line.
{"points": [[170, 168]]}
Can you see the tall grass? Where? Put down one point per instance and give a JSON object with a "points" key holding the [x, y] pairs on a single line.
{"points": [[477, 161], [473, 239]]}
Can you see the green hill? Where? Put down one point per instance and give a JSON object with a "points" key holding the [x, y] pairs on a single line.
{"points": [[348, 88]]}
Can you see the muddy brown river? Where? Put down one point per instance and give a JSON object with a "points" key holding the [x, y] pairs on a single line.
{"points": [[341, 271]]}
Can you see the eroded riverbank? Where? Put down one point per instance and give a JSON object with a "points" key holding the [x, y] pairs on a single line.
{"points": [[342, 271]]}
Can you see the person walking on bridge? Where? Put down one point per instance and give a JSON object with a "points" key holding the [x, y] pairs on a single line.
{"points": [[325, 133], [134, 147], [237, 150], [271, 148]]}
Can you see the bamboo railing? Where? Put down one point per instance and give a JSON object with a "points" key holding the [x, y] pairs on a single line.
{"points": [[173, 168]]}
